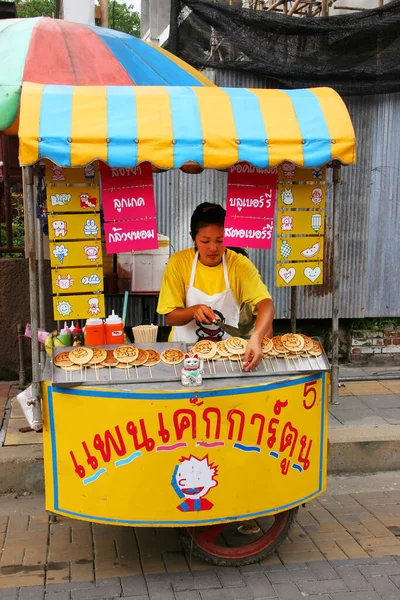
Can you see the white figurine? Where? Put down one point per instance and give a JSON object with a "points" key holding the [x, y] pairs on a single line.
{"points": [[192, 372]]}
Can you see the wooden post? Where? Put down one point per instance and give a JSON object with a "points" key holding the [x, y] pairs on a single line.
{"points": [[104, 13]]}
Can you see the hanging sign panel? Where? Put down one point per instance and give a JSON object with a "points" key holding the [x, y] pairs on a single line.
{"points": [[81, 306], [128, 203], [301, 222], [67, 199], [289, 274], [76, 254], [251, 201], [75, 281], [287, 171], [248, 233], [299, 248], [125, 236], [56, 175], [246, 174], [116, 177], [74, 227], [301, 196]]}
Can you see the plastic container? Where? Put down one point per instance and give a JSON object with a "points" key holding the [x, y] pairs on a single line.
{"points": [[65, 335], [94, 332], [114, 329]]}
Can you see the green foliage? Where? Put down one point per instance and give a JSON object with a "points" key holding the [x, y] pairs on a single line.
{"points": [[35, 8]]}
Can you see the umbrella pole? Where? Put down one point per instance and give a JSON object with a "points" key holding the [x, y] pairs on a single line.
{"points": [[33, 293], [335, 276]]}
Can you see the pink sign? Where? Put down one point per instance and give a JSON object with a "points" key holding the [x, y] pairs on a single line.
{"points": [[250, 201], [124, 236], [129, 202], [248, 233], [244, 173], [116, 177]]}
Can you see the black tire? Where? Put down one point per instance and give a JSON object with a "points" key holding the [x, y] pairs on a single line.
{"points": [[201, 542]]}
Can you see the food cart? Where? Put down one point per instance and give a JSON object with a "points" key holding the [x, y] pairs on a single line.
{"points": [[139, 449]]}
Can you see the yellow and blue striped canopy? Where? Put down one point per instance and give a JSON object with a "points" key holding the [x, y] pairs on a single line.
{"points": [[170, 126]]}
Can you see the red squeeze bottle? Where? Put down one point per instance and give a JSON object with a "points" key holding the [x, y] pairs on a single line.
{"points": [[94, 332]]}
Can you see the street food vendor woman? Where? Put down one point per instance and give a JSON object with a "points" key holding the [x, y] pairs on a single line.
{"points": [[210, 283]]}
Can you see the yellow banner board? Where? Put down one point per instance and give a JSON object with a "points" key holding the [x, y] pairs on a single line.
{"points": [[307, 273], [183, 457], [81, 306], [301, 222], [74, 227], [299, 248], [56, 175], [85, 199], [76, 254], [287, 171], [301, 196], [76, 281]]}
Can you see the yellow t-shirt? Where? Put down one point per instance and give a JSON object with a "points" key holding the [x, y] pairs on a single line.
{"points": [[244, 280]]}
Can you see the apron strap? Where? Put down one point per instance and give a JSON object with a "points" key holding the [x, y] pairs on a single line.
{"points": [[193, 273], [228, 287]]}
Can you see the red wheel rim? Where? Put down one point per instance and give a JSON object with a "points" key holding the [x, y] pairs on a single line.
{"points": [[205, 538]]}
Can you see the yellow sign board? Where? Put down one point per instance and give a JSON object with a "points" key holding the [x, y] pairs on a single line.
{"points": [[75, 281], [305, 222], [299, 248], [301, 196], [56, 175], [184, 457], [74, 227], [307, 273], [76, 254], [287, 171], [81, 306], [84, 199]]}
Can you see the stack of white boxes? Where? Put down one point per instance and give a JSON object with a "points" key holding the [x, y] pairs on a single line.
{"points": [[142, 272]]}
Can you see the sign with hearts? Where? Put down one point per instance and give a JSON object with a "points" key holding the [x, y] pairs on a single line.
{"points": [[251, 201], [291, 274], [126, 203], [244, 173], [125, 236], [301, 196], [117, 177], [299, 248], [67, 199], [248, 233], [287, 171]]}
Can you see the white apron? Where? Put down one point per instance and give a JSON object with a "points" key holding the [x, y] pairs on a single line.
{"points": [[224, 303]]}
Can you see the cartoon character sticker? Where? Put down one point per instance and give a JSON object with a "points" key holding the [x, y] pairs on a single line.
{"points": [[94, 308], [317, 196], [64, 282], [58, 174], [287, 196], [192, 479], [90, 228], [59, 228], [92, 253], [286, 223], [64, 308], [317, 173], [289, 169], [60, 199], [87, 202], [89, 172], [60, 252]]}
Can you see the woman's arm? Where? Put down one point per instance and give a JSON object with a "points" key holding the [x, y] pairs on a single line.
{"points": [[183, 316], [263, 328]]}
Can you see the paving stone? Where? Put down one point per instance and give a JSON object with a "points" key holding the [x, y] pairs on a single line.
{"points": [[69, 586], [370, 595], [108, 581], [205, 580], [57, 596], [31, 593], [160, 590], [188, 595], [385, 587], [231, 577], [259, 585], [288, 591], [228, 594], [9, 593], [111, 591], [183, 582], [392, 568], [323, 570], [145, 597], [352, 577], [134, 585], [329, 586], [291, 576]]}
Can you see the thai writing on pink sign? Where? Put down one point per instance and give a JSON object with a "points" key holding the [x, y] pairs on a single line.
{"points": [[244, 173], [251, 201], [248, 233], [125, 236], [116, 177], [129, 202]]}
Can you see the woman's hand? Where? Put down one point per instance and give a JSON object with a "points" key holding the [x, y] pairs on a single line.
{"points": [[254, 353], [204, 314]]}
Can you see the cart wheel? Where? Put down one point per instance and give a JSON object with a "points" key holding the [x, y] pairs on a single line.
{"points": [[223, 545]]}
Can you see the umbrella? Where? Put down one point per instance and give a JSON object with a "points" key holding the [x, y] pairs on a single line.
{"points": [[51, 51]]}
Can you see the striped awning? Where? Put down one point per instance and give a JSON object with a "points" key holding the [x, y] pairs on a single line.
{"points": [[170, 126]]}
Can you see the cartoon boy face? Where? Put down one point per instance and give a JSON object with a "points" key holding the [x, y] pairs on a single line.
{"points": [[195, 477]]}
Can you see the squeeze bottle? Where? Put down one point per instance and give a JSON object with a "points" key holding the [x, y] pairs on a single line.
{"points": [[114, 329], [77, 335], [94, 332], [65, 335]]}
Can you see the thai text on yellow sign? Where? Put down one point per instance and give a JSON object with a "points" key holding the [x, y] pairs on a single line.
{"points": [[301, 196], [287, 171], [81, 306], [74, 227], [76, 281], [299, 248], [183, 457], [305, 222], [76, 254], [56, 175], [65, 199], [308, 273]]}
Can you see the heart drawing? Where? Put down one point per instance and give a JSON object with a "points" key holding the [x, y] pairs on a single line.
{"points": [[312, 274], [287, 274]]}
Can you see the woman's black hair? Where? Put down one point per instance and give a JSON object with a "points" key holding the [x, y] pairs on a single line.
{"points": [[206, 214]]}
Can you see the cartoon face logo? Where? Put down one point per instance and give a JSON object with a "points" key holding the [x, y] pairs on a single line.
{"points": [[91, 280], [60, 252], [59, 228], [89, 171], [316, 174], [64, 308], [192, 479], [60, 199], [90, 228], [92, 253], [289, 169], [210, 332], [94, 308], [316, 196], [286, 223], [87, 202], [64, 282], [58, 174], [287, 196]]}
